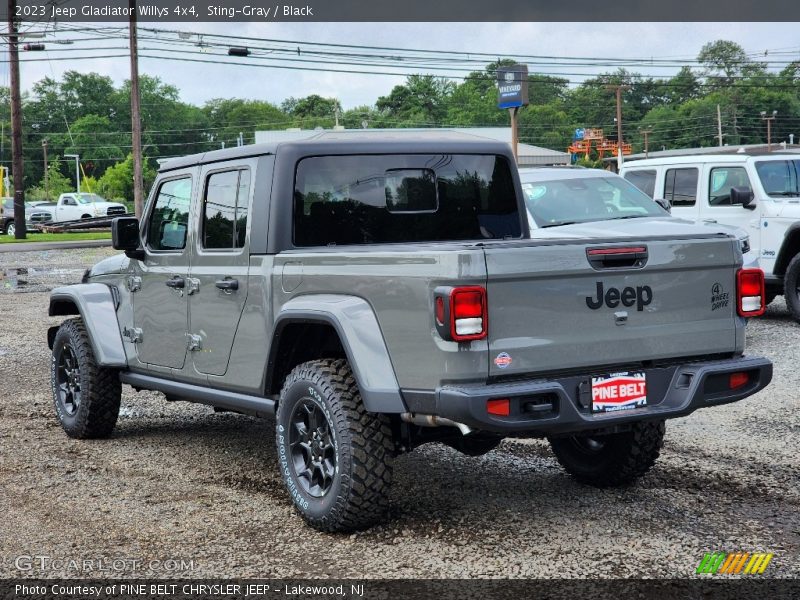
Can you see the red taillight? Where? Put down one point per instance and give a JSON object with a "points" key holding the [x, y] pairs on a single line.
{"points": [[468, 314], [440, 310], [737, 380], [500, 407], [750, 292]]}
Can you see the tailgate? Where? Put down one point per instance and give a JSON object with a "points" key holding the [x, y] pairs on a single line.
{"points": [[550, 309]]}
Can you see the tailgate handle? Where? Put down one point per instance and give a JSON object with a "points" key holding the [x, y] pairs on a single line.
{"points": [[617, 257]]}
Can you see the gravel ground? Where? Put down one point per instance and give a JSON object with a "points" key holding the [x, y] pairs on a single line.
{"points": [[180, 482]]}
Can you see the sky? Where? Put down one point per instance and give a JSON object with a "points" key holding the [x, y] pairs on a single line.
{"points": [[200, 82]]}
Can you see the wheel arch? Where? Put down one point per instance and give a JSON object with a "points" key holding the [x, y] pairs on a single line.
{"points": [[789, 249], [96, 305], [339, 326]]}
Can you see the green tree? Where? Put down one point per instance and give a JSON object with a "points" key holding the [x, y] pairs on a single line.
{"points": [[117, 182], [57, 183], [421, 101]]}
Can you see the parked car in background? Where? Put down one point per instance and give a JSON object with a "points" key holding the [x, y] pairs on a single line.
{"points": [[760, 194], [84, 205], [33, 215], [557, 197]]}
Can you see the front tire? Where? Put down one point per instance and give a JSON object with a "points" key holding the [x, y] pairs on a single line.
{"points": [[334, 456], [791, 287], [611, 460], [86, 395], [11, 229]]}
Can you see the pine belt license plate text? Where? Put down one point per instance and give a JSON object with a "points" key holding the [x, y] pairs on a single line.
{"points": [[619, 391]]}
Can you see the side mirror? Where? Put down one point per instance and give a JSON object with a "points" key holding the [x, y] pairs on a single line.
{"points": [[664, 204], [125, 236], [743, 195]]}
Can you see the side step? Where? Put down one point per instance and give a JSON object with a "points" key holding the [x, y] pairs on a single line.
{"points": [[251, 405]]}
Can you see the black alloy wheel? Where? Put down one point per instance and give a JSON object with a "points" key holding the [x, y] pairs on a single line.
{"points": [[312, 448]]}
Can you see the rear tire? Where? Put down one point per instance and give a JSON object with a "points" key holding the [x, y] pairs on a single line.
{"points": [[611, 460], [86, 395], [791, 287], [11, 229], [334, 456]]}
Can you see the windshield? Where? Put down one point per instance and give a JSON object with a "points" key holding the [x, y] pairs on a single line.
{"points": [[779, 177], [583, 199], [89, 198]]}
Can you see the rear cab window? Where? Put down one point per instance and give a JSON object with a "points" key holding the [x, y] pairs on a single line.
{"points": [[680, 186], [378, 199]]}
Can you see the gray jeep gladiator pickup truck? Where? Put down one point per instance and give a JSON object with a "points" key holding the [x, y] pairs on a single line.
{"points": [[376, 292]]}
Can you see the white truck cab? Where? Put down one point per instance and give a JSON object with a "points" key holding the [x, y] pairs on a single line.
{"points": [[760, 194], [74, 206]]}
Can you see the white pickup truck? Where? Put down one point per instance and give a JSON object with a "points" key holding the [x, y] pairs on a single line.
{"points": [[83, 205]]}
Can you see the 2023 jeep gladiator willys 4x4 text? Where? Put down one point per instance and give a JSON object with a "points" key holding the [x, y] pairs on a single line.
{"points": [[375, 293]]}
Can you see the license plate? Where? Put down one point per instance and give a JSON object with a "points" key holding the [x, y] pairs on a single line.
{"points": [[619, 391]]}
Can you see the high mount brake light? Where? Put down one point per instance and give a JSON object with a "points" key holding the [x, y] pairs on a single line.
{"points": [[750, 293]]}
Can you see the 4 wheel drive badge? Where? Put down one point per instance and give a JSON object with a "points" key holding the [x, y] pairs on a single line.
{"points": [[719, 297], [503, 360]]}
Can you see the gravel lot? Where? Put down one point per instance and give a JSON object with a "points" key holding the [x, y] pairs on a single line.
{"points": [[178, 481]]}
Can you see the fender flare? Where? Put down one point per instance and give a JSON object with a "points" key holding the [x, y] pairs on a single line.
{"points": [[95, 303], [362, 340]]}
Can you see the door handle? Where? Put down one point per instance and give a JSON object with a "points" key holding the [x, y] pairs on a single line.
{"points": [[709, 220], [176, 283], [228, 285]]}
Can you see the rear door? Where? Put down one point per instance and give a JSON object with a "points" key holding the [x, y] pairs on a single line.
{"points": [[219, 272], [550, 309]]}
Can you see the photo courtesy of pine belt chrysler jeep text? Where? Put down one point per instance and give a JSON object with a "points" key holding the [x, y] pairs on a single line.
{"points": [[375, 293]]}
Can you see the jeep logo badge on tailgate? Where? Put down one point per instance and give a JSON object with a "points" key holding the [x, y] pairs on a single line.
{"points": [[641, 296]]}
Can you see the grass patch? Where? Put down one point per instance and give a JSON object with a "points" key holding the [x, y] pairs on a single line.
{"points": [[57, 237]]}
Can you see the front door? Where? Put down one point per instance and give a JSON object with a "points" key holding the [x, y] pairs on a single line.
{"points": [[220, 269], [718, 207], [160, 307]]}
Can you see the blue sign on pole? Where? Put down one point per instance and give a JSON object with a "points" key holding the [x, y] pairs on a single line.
{"points": [[512, 86]]}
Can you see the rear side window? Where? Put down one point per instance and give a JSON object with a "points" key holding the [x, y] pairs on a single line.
{"points": [[225, 210], [644, 180], [169, 218], [680, 186], [403, 198]]}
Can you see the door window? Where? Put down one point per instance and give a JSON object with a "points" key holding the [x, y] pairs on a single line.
{"points": [[644, 180], [680, 186], [225, 210], [722, 180], [169, 218]]}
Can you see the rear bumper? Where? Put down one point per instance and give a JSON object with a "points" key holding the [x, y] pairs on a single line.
{"points": [[561, 405]]}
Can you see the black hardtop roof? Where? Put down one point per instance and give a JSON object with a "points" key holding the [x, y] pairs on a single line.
{"points": [[358, 142]]}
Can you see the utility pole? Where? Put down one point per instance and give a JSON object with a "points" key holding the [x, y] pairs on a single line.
{"points": [[46, 182], [618, 90], [16, 124], [769, 121], [136, 117], [514, 132], [719, 125], [646, 133]]}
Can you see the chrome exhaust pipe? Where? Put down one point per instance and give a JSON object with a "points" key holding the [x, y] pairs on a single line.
{"points": [[434, 421]]}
